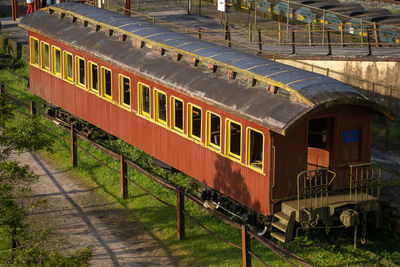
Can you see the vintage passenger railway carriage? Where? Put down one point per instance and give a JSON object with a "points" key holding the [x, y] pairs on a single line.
{"points": [[258, 131]]}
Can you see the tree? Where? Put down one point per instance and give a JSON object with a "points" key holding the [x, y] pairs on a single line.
{"points": [[20, 135]]}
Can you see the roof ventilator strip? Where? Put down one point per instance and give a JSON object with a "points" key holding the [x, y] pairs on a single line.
{"points": [[61, 15], [138, 43], [177, 56], [85, 23], [272, 89], [212, 67], [96, 28], [195, 61], [122, 37], [251, 80], [109, 32], [231, 74], [158, 50]]}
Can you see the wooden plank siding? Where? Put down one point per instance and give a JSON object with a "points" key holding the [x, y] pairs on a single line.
{"points": [[234, 179]]}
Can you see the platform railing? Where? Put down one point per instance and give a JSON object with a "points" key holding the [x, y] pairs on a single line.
{"points": [[313, 187], [365, 182]]}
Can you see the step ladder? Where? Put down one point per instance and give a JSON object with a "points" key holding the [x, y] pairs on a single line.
{"points": [[283, 225]]}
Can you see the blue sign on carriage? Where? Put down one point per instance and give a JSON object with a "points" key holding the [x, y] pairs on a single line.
{"points": [[352, 136]]}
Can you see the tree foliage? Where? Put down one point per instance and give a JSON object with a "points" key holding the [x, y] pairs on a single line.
{"points": [[16, 136]]}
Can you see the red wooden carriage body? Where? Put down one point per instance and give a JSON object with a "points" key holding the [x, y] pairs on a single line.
{"points": [[325, 124]]}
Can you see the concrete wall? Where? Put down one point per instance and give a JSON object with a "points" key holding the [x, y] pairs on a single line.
{"points": [[378, 80]]}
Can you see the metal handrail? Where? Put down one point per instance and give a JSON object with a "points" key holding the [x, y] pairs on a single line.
{"points": [[363, 181], [318, 188]]}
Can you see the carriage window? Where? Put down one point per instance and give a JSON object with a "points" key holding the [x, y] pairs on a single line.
{"points": [[177, 114], [194, 122], [213, 130], [34, 51], [233, 139], [106, 82], [161, 107], [125, 90], [317, 133], [68, 73], [255, 148], [80, 71], [144, 100], [45, 56], [56, 61], [93, 77]]}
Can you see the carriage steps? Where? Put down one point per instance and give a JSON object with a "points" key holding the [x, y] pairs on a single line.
{"points": [[283, 225]]}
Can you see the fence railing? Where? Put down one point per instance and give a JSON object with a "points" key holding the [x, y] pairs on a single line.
{"points": [[247, 254]]}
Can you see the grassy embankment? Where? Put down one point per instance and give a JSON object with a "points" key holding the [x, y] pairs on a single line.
{"points": [[199, 248]]}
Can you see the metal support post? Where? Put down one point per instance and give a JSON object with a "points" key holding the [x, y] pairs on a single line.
{"points": [[341, 34], [124, 180], [74, 154], [309, 35], [376, 35], [15, 9], [33, 108], [180, 216], [369, 44], [293, 43], [329, 42], [189, 7], [245, 247], [127, 11], [279, 34]]}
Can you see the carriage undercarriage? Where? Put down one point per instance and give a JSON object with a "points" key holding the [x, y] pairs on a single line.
{"points": [[317, 206]]}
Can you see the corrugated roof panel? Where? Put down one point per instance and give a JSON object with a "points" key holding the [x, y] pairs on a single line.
{"points": [[292, 75], [246, 63], [164, 36], [229, 56], [214, 50], [274, 111], [195, 46], [178, 41], [148, 31]]}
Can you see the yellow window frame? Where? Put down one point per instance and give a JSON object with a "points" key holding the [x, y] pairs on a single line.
{"points": [[248, 147], [121, 90], [91, 64], [103, 83], [228, 140], [42, 51], [208, 129], [172, 110], [53, 52], [33, 59], [140, 100], [78, 73], [66, 76], [190, 122], [156, 107]]}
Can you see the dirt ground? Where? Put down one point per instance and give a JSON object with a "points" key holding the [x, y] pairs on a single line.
{"points": [[79, 218]]}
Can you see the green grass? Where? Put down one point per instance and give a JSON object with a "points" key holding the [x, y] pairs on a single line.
{"points": [[199, 248]]}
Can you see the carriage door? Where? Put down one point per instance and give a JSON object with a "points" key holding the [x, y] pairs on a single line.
{"points": [[320, 133]]}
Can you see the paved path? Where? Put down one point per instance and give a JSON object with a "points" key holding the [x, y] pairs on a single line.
{"points": [[80, 219]]}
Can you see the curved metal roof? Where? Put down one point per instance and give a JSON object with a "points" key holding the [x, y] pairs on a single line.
{"points": [[307, 91]]}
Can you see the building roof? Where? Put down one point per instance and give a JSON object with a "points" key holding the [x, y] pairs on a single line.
{"points": [[300, 93]]}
